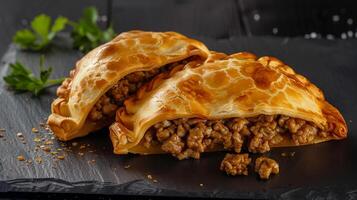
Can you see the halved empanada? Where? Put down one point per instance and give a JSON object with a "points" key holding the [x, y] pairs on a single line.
{"points": [[228, 103], [106, 76]]}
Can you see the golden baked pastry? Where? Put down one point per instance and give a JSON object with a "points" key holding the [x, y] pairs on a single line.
{"points": [[107, 75], [226, 103]]}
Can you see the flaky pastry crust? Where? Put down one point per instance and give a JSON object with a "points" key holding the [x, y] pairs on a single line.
{"points": [[239, 85], [97, 71]]}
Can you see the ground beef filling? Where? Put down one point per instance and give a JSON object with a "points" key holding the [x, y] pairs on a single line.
{"points": [[185, 138], [236, 164], [265, 166], [125, 87]]}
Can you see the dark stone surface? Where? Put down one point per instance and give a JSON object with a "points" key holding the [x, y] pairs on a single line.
{"points": [[325, 170]]}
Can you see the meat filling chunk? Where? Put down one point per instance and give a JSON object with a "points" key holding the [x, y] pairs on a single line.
{"points": [[189, 137], [114, 98], [111, 100], [265, 166], [235, 164]]}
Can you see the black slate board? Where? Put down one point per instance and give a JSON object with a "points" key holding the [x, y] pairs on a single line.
{"points": [[320, 171]]}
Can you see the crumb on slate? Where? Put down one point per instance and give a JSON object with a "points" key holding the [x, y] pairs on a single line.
{"points": [[34, 130], [60, 157], [48, 142], [91, 161], [38, 159], [2, 131], [21, 158], [45, 148], [285, 154]]}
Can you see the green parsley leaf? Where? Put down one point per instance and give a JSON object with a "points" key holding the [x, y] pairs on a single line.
{"points": [[24, 38], [87, 34], [90, 15], [41, 34], [22, 79], [59, 24], [41, 25]]}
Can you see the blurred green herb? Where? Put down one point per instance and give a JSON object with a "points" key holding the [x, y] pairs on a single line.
{"points": [[41, 33], [87, 34], [22, 79]]}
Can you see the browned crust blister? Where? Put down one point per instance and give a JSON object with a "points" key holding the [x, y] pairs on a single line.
{"points": [[101, 68], [239, 85]]}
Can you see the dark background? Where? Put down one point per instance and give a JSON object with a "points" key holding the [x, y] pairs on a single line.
{"points": [[219, 19], [220, 23]]}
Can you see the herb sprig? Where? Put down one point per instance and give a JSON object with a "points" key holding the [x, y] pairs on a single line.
{"points": [[41, 33], [22, 79], [87, 34]]}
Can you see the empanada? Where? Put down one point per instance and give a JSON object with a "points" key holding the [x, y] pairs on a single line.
{"points": [[227, 103], [107, 75]]}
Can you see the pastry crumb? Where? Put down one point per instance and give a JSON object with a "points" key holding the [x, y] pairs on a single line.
{"points": [[127, 166], [34, 130], [60, 157], [38, 160], [2, 131], [91, 161], [48, 143], [149, 177], [45, 148], [21, 158]]}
